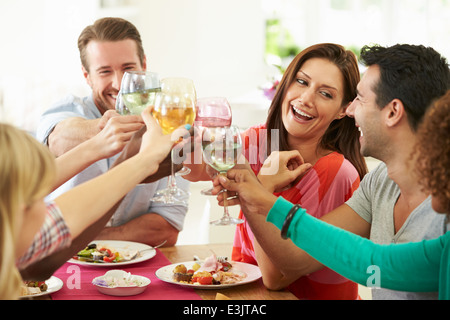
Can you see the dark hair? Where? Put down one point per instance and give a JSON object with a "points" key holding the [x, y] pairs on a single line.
{"points": [[342, 135], [414, 74], [109, 29], [433, 150]]}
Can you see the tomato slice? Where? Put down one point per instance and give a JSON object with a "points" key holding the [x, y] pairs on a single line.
{"points": [[110, 256], [106, 251], [226, 266], [205, 280]]}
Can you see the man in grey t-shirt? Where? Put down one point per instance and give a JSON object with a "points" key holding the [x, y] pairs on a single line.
{"points": [[392, 98]]}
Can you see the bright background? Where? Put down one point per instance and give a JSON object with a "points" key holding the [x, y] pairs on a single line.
{"points": [[227, 47]]}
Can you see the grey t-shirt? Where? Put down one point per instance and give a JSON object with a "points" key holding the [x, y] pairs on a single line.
{"points": [[374, 201], [137, 202]]}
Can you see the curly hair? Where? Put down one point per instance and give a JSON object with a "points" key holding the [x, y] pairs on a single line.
{"points": [[433, 148]]}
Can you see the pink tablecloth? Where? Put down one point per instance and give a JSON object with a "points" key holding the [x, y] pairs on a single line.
{"points": [[78, 285]]}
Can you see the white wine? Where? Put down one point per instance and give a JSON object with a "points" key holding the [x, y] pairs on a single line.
{"points": [[172, 118], [221, 156], [136, 102]]}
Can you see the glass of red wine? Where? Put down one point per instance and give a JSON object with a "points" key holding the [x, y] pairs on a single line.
{"points": [[212, 112]]}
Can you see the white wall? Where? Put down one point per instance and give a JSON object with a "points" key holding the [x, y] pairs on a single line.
{"points": [[219, 44], [39, 60]]}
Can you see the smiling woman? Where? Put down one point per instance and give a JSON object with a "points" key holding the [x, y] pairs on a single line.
{"points": [[336, 75], [308, 115], [312, 102]]}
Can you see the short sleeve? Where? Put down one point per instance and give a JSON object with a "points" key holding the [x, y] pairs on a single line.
{"points": [[53, 236], [361, 200]]}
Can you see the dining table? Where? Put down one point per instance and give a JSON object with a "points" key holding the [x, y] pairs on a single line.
{"points": [[77, 279]]}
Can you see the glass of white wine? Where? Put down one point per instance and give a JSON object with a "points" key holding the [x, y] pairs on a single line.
{"points": [[137, 91], [174, 107], [222, 147]]}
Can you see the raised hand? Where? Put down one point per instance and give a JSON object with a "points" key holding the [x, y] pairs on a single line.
{"points": [[244, 189], [116, 132], [282, 170]]}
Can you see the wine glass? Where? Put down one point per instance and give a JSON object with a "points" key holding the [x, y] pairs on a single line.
{"points": [[222, 147], [137, 92], [212, 112], [174, 107]]}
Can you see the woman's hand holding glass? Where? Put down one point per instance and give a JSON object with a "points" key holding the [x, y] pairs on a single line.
{"points": [[245, 190], [155, 144]]}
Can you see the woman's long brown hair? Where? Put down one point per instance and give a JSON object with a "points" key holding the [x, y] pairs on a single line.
{"points": [[342, 135]]}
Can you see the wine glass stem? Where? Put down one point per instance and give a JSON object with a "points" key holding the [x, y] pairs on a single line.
{"points": [[225, 204], [172, 183], [226, 215]]}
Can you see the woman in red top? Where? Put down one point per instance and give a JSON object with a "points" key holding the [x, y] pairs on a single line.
{"points": [[307, 117], [308, 112], [328, 184]]}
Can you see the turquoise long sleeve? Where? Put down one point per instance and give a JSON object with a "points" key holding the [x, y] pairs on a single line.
{"points": [[406, 267]]}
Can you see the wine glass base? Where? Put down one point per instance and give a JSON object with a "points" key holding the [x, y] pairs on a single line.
{"points": [[207, 192], [169, 200], [184, 171], [171, 196], [173, 191], [226, 221]]}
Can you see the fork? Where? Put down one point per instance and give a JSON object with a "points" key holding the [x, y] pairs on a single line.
{"points": [[151, 248], [220, 259]]}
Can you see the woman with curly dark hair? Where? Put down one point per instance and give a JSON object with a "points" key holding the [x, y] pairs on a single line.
{"points": [[434, 154]]}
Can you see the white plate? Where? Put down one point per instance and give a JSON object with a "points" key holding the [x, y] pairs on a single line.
{"points": [[121, 291], [53, 284], [127, 245], [252, 271]]}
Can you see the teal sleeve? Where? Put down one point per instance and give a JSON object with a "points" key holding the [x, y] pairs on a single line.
{"points": [[406, 267]]}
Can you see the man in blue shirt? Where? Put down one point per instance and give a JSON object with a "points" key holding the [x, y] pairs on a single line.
{"points": [[109, 48]]}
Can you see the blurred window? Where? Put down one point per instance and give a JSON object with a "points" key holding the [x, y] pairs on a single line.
{"points": [[295, 24]]}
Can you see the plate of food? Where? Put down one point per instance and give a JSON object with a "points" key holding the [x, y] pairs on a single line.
{"points": [[109, 253], [121, 283], [209, 274], [31, 289]]}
